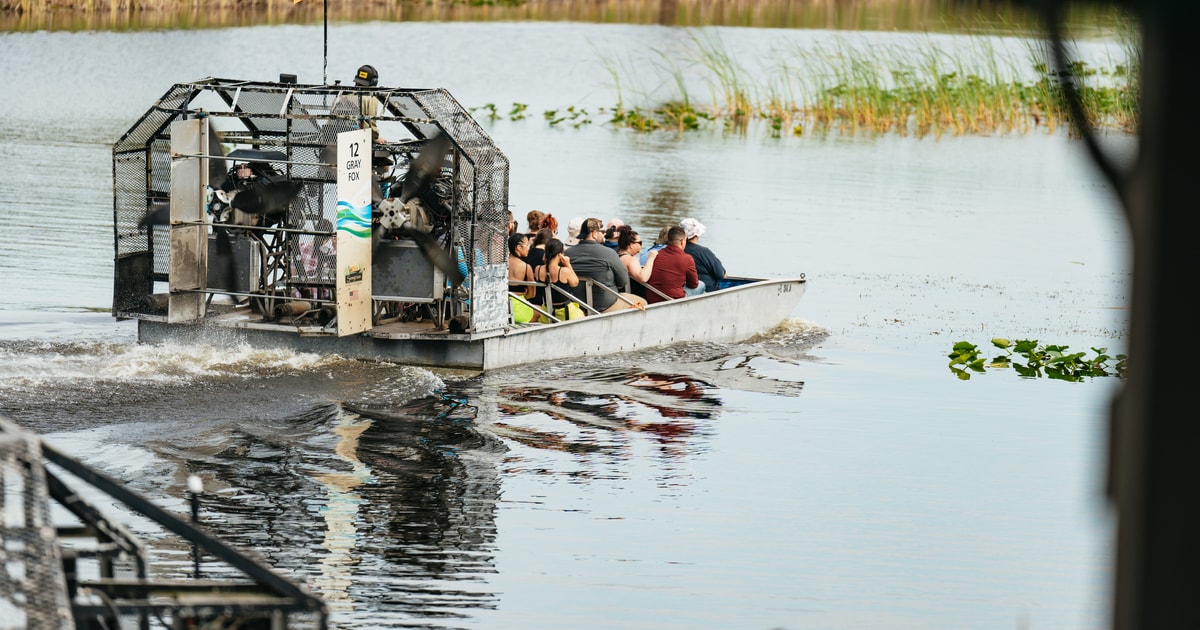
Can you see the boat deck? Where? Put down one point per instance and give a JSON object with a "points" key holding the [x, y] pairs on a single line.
{"points": [[245, 317]]}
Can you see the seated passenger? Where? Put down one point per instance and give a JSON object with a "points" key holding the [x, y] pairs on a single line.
{"points": [[673, 269], [537, 248], [659, 243], [557, 271], [573, 231], [708, 266], [592, 260], [317, 251], [518, 269], [611, 233], [550, 223], [629, 245], [535, 222]]}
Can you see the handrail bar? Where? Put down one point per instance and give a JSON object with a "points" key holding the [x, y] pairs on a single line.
{"points": [[570, 296], [531, 305], [592, 282], [648, 286]]}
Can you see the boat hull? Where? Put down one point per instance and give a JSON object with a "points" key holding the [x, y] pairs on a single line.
{"points": [[725, 316]]}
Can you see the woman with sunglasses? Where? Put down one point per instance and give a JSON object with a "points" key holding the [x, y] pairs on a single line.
{"points": [[629, 245]]}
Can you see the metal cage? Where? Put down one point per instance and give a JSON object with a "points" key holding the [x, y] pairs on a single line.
{"points": [[300, 122]]}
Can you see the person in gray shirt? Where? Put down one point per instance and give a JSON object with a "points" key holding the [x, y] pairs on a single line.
{"points": [[592, 259]]}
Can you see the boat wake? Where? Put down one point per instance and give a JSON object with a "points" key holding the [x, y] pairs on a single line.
{"points": [[62, 385], [792, 340]]}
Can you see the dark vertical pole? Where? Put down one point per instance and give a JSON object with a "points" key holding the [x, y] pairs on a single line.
{"points": [[325, 63], [195, 487], [1155, 437]]}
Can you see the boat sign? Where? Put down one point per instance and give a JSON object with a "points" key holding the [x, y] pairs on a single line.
{"points": [[353, 232]]}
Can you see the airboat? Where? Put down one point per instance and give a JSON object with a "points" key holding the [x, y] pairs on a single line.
{"points": [[364, 221]]}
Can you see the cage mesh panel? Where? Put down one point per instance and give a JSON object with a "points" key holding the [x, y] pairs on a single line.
{"points": [[315, 209], [314, 262], [160, 188], [267, 106], [484, 208], [33, 590], [129, 202], [154, 121]]}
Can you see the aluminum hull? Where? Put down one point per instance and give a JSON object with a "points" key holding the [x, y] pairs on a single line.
{"points": [[725, 316]]}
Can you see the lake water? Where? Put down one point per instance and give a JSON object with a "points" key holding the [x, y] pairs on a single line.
{"points": [[832, 474]]}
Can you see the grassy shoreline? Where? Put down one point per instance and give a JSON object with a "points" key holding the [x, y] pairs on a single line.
{"points": [[893, 15]]}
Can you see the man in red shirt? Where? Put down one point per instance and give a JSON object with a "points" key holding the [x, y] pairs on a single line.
{"points": [[673, 268]]}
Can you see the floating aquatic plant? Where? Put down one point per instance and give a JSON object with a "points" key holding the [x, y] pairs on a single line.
{"points": [[1051, 361]]}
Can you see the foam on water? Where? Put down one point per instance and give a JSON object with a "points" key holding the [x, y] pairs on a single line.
{"points": [[36, 363]]}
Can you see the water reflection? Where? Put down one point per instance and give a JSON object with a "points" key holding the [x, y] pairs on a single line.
{"points": [[384, 509], [341, 513], [665, 192], [664, 406], [428, 518], [604, 409]]}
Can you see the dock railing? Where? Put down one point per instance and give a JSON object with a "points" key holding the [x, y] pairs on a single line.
{"points": [[43, 583]]}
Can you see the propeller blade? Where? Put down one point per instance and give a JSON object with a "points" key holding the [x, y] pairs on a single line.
{"points": [[226, 265], [426, 167], [159, 213], [436, 255], [266, 199], [430, 248], [423, 171], [218, 172]]}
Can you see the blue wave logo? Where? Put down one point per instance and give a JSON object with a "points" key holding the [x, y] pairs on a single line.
{"points": [[354, 220]]}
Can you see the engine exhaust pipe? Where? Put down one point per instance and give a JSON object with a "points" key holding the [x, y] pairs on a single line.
{"points": [[292, 309]]}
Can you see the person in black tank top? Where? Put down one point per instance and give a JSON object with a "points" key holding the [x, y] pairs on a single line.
{"points": [[558, 271], [518, 269]]}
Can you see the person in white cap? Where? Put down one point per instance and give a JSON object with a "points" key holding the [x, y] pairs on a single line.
{"points": [[612, 233], [708, 266], [573, 231]]}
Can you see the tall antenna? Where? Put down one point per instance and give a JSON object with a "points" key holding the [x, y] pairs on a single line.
{"points": [[325, 62]]}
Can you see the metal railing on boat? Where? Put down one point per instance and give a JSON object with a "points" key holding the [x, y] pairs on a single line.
{"points": [[547, 309]]}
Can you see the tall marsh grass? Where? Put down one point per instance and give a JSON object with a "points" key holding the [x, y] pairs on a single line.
{"points": [[986, 88]]}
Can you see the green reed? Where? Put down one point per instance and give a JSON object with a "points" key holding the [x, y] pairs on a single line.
{"points": [[730, 90], [926, 91], [1109, 96], [674, 109], [848, 88]]}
